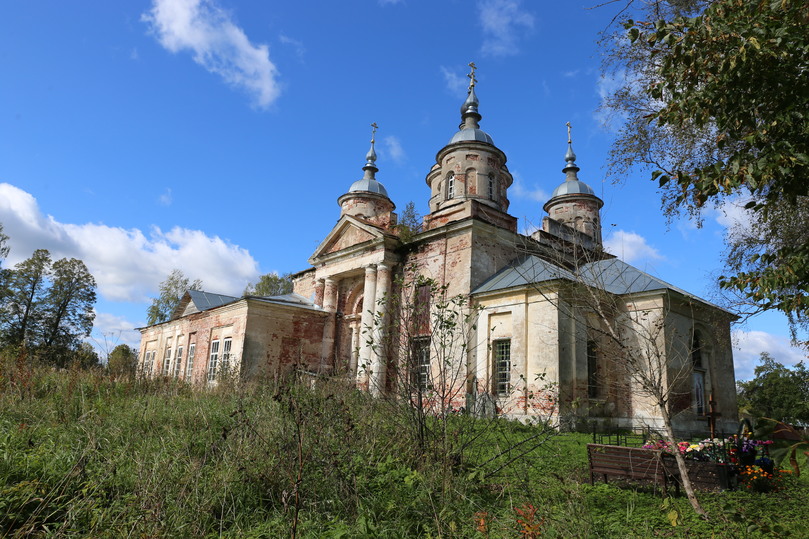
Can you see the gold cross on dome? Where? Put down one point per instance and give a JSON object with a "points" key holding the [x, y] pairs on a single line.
{"points": [[472, 79], [373, 132], [568, 133]]}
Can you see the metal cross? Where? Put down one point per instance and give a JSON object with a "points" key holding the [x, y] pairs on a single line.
{"points": [[472, 79], [568, 133], [373, 132]]}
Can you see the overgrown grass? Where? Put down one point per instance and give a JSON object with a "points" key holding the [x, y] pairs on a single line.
{"points": [[84, 454]]}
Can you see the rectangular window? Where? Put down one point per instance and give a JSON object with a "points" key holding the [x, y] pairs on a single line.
{"points": [[224, 363], [421, 310], [502, 367], [699, 392], [491, 187], [189, 363], [213, 361], [593, 387], [167, 359], [420, 370], [148, 361], [178, 361]]}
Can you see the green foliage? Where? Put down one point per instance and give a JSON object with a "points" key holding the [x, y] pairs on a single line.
{"points": [[85, 454], [123, 360], [270, 284], [727, 94], [22, 307], [47, 307], [171, 292], [67, 313], [776, 392], [410, 223]]}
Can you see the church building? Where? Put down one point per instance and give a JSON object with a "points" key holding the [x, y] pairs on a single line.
{"points": [[465, 311]]}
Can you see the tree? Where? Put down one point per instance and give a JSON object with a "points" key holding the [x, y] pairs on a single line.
{"points": [[67, 312], [22, 308], [171, 292], [777, 392], [123, 360], [85, 356], [716, 107], [4, 274], [4, 248], [410, 222], [270, 284]]}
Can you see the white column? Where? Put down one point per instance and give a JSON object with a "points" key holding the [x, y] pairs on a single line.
{"points": [[355, 347], [367, 327], [330, 306], [379, 368]]}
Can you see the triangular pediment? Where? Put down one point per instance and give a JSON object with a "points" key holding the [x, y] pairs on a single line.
{"points": [[347, 233]]}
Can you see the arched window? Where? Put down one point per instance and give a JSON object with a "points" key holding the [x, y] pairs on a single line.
{"points": [[492, 190], [698, 369], [450, 185]]}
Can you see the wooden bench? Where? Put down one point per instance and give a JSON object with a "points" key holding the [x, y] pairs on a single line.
{"points": [[633, 463]]}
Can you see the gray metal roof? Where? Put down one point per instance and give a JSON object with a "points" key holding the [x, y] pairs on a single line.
{"points": [[524, 271], [471, 134], [617, 277], [206, 300], [573, 187], [611, 275], [294, 300], [369, 186]]}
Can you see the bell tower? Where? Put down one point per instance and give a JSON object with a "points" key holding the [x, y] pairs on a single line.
{"points": [[573, 204], [470, 177]]}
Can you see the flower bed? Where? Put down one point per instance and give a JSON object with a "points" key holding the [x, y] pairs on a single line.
{"points": [[723, 463]]}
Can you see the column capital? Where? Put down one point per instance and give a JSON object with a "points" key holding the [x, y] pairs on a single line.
{"points": [[370, 268]]}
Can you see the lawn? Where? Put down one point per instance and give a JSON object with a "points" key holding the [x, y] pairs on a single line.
{"points": [[85, 454]]}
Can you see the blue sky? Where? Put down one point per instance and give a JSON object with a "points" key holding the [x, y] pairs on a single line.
{"points": [[216, 136]]}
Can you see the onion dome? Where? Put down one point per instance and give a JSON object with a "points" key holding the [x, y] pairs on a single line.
{"points": [[572, 184], [369, 183], [470, 117]]}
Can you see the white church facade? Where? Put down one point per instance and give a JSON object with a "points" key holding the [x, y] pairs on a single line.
{"points": [[544, 323]]}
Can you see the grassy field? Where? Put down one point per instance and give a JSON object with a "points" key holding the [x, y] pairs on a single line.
{"points": [[83, 454]]}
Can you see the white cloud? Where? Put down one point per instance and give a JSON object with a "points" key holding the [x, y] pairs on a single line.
{"points": [[456, 83], [748, 346], [110, 330], [218, 45], [608, 117], [732, 216], [300, 50], [394, 149], [631, 247], [503, 22], [165, 199], [128, 265], [390, 2], [519, 189]]}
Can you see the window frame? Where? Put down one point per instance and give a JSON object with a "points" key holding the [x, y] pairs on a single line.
{"points": [[213, 360], [165, 368], [450, 186], [593, 381], [178, 360], [225, 355], [501, 377], [420, 364], [189, 361]]}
